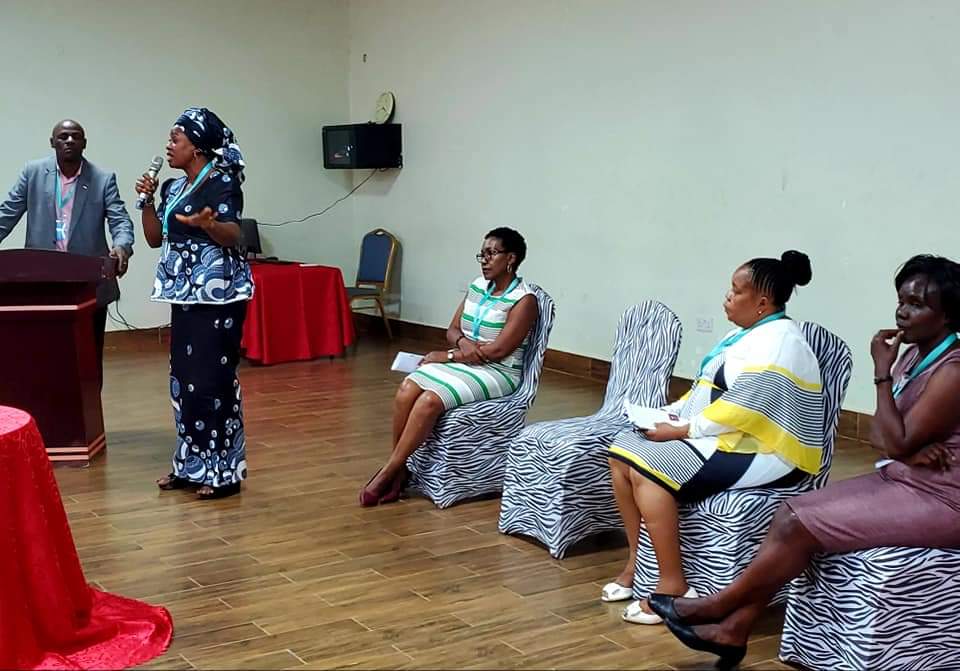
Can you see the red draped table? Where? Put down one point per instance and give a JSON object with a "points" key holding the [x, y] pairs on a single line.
{"points": [[298, 312], [49, 617]]}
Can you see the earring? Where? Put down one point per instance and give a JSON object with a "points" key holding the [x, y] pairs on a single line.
{"points": [[509, 268]]}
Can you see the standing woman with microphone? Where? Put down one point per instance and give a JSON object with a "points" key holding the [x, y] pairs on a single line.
{"points": [[207, 283]]}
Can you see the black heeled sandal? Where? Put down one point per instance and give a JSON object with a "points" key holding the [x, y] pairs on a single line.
{"points": [[174, 482], [730, 655]]}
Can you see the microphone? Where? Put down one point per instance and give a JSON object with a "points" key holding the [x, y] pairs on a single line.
{"points": [[152, 172]]}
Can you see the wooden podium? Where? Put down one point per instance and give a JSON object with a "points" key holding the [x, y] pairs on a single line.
{"points": [[48, 364]]}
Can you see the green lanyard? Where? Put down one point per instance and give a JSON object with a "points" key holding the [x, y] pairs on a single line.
{"points": [[169, 208], [62, 199], [731, 339], [923, 365], [480, 315]]}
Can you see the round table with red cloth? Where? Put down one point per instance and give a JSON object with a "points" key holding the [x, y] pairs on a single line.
{"points": [[298, 312], [49, 617]]}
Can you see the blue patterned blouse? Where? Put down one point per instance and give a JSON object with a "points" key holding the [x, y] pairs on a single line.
{"points": [[193, 268]]}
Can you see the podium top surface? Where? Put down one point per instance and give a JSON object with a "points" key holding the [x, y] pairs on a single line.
{"points": [[41, 265]]}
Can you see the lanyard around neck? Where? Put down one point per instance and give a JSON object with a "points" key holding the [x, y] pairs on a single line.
{"points": [[925, 364], [734, 338], [62, 198], [481, 314], [168, 210]]}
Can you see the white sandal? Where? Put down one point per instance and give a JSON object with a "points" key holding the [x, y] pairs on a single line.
{"points": [[614, 591], [635, 614]]}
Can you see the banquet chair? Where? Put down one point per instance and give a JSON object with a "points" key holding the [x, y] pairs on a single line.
{"points": [[378, 250], [466, 454], [557, 485], [720, 535]]}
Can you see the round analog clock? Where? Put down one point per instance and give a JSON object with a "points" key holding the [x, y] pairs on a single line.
{"points": [[384, 109]]}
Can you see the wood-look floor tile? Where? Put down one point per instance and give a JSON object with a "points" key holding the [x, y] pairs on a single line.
{"points": [[292, 573]]}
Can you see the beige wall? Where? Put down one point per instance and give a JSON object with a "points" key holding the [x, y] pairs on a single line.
{"points": [[647, 148], [274, 71], [644, 148]]}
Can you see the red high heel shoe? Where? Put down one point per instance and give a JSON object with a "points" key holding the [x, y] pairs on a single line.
{"points": [[369, 498], [396, 487]]}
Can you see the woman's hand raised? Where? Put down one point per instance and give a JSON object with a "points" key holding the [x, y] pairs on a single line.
{"points": [[884, 349], [204, 219], [146, 184]]}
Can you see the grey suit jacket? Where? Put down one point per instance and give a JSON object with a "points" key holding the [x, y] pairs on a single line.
{"points": [[96, 200]]}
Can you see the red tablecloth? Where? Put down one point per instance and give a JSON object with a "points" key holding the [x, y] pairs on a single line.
{"points": [[297, 313], [49, 617]]}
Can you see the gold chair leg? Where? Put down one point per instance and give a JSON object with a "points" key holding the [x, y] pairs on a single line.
{"points": [[383, 313]]}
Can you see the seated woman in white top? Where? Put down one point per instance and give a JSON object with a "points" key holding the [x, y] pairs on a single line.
{"points": [[488, 338], [753, 417]]}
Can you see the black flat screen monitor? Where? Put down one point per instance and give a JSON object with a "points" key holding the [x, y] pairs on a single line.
{"points": [[250, 236], [362, 146]]}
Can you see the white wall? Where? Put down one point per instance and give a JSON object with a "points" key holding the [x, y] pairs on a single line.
{"points": [[645, 149], [274, 71]]}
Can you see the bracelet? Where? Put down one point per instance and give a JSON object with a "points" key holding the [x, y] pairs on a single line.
{"points": [[881, 380]]}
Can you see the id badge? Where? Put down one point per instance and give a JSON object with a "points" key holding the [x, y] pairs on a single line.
{"points": [[61, 231]]}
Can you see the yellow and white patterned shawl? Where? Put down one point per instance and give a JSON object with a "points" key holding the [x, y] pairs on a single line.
{"points": [[775, 403]]}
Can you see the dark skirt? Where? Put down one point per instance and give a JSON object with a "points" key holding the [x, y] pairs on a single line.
{"points": [[682, 469], [205, 392]]}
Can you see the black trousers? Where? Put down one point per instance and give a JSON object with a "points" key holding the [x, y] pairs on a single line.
{"points": [[99, 327]]}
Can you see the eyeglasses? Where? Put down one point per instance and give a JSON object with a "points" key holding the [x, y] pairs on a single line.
{"points": [[488, 254]]}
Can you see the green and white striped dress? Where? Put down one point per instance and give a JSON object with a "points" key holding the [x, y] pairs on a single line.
{"points": [[461, 383]]}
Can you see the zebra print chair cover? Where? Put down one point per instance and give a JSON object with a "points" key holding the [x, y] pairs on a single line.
{"points": [[882, 608], [557, 485], [720, 535], [465, 455]]}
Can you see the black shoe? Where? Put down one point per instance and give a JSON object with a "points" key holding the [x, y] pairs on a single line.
{"points": [[730, 655], [662, 605], [220, 492]]}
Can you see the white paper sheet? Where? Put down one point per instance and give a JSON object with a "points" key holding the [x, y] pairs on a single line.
{"points": [[647, 418], [405, 362]]}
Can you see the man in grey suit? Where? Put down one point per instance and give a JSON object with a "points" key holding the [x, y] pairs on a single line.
{"points": [[66, 199]]}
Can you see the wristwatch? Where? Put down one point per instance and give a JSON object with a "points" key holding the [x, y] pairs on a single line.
{"points": [[450, 353]]}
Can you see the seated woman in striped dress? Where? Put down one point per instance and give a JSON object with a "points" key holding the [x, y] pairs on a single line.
{"points": [[754, 417], [487, 336]]}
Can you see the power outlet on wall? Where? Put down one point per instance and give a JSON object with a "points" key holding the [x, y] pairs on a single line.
{"points": [[705, 324]]}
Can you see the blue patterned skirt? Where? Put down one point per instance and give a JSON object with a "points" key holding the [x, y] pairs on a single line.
{"points": [[205, 392]]}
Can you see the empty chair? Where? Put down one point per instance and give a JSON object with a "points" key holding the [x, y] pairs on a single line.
{"points": [[557, 483], [378, 249]]}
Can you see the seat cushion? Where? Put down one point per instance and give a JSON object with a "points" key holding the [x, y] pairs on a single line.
{"points": [[354, 292]]}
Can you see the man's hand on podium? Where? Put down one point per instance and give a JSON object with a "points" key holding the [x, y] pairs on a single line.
{"points": [[120, 254]]}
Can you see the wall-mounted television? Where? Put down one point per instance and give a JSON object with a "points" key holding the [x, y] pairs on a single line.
{"points": [[362, 145]]}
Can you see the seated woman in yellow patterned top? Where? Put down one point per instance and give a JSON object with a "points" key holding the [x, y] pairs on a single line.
{"points": [[753, 417]]}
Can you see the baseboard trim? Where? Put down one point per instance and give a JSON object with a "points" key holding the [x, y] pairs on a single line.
{"points": [[853, 425]]}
